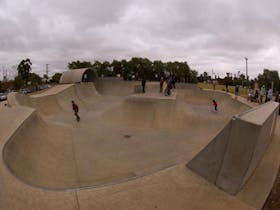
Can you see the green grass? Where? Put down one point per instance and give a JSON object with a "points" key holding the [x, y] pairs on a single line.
{"points": [[242, 91]]}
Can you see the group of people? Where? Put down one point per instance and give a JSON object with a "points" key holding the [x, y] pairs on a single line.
{"points": [[170, 84], [166, 84], [260, 95]]}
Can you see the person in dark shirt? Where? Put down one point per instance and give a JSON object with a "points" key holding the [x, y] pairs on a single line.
{"points": [[236, 91], [143, 84]]}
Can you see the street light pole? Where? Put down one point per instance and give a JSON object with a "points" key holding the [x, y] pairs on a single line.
{"points": [[47, 70], [246, 59]]}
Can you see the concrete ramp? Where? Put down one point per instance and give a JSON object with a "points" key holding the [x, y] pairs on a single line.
{"points": [[58, 99], [119, 87], [231, 158]]}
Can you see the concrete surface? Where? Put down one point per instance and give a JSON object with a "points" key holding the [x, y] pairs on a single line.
{"points": [[230, 159], [122, 155]]}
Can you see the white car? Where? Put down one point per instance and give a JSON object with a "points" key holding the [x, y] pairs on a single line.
{"points": [[3, 97]]}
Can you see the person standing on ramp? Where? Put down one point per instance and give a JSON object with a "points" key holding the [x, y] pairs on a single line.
{"points": [[143, 84], [236, 91], [76, 110]]}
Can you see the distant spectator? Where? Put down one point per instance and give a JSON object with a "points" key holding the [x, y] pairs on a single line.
{"points": [[236, 91], [276, 97], [269, 94], [250, 95], [161, 84], [227, 87], [262, 94], [173, 81], [214, 84], [256, 97]]}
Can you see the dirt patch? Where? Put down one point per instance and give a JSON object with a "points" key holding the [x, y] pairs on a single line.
{"points": [[273, 200]]}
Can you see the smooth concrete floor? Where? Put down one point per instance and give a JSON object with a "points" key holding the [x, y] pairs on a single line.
{"points": [[124, 155]]}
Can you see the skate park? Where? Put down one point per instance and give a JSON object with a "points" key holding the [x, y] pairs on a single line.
{"points": [[135, 151]]}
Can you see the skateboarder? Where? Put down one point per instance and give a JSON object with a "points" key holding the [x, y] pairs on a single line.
{"points": [[215, 105], [143, 84], [169, 85], [76, 110]]}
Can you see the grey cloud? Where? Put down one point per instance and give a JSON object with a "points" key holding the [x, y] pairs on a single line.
{"points": [[214, 34]]}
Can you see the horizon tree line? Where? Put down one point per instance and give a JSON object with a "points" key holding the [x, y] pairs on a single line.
{"points": [[138, 67]]}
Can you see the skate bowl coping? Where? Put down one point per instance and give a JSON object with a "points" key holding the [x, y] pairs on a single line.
{"points": [[77, 76], [230, 159]]}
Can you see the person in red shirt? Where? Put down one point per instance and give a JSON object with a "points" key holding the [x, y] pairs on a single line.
{"points": [[76, 110], [215, 105]]}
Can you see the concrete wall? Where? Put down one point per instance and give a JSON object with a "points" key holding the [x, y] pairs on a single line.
{"points": [[231, 158], [77, 75]]}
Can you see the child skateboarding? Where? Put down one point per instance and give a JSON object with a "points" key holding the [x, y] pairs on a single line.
{"points": [[76, 110], [215, 105]]}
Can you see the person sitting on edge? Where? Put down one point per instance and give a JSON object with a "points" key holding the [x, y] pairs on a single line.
{"points": [[215, 105], [76, 110]]}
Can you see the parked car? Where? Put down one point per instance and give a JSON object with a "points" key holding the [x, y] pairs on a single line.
{"points": [[25, 91], [43, 87], [3, 96]]}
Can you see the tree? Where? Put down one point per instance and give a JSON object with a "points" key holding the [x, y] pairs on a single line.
{"points": [[46, 77], [106, 69], [35, 79], [24, 69], [138, 67], [267, 78], [97, 68], [158, 67], [117, 67], [182, 69], [56, 77], [124, 70], [18, 82], [146, 68], [79, 64], [193, 76], [204, 77]]}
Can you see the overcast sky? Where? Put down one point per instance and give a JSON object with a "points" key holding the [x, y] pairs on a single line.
{"points": [[208, 34]]}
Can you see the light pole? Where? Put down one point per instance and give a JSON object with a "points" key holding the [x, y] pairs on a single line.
{"points": [[47, 70], [246, 59]]}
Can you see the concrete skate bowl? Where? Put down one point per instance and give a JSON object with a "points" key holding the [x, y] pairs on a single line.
{"points": [[115, 141]]}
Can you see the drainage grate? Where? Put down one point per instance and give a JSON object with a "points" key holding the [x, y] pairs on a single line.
{"points": [[127, 136]]}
